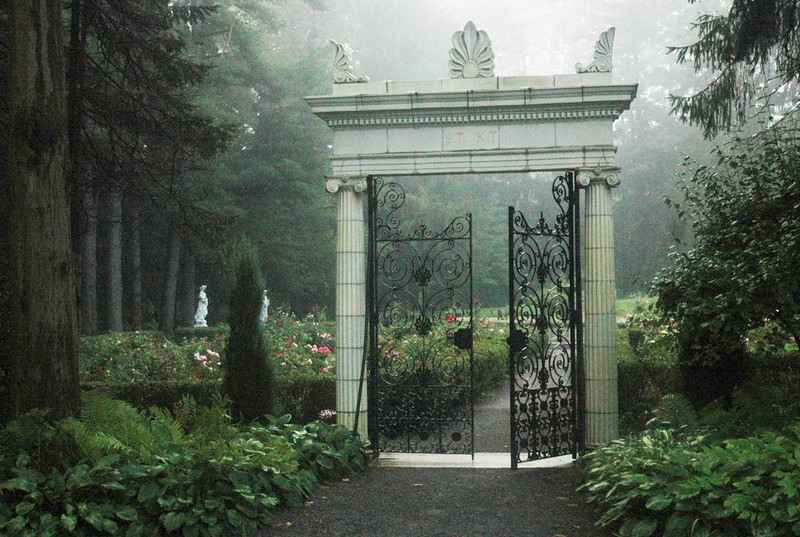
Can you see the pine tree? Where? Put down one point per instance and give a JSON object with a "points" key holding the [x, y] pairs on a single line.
{"points": [[755, 38], [248, 371]]}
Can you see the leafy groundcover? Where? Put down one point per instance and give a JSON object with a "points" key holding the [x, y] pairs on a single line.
{"points": [[120, 471], [664, 483]]}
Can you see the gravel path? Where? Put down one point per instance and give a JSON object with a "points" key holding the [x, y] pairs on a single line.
{"points": [[493, 423], [401, 502]]}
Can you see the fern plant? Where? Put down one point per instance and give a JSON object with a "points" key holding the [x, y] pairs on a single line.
{"points": [[107, 424], [675, 412]]}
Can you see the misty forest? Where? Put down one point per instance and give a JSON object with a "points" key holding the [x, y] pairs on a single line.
{"points": [[177, 359]]}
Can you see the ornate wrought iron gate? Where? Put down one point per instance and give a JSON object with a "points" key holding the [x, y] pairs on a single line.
{"points": [[421, 395], [545, 328]]}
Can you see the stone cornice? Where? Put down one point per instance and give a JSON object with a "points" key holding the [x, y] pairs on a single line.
{"points": [[494, 106]]}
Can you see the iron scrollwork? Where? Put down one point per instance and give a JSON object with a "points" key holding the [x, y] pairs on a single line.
{"points": [[543, 278], [421, 313]]}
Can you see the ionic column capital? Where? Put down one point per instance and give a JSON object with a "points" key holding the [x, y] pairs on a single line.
{"points": [[356, 184], [608, 176]]}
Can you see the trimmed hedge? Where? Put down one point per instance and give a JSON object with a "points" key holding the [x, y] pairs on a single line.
{"points": [[644, 377], [302, 391], [147, 394], [302, 396], [305, 396], [210, 332]]}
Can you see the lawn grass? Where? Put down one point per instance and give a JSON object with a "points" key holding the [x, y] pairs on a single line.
{"points": [[632, 304], [625, 306]]}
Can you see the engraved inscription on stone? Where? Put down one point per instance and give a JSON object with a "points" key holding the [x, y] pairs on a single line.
{"points": [[470, 138]]}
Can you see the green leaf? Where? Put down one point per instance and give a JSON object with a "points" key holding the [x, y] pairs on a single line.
{"points": [[79, 477], [127, 513], [110, 526], [69, 522], [234, 518], [658, 503], [135, 530], [56, 481], [644, 528], [23, 508], [95, 519], [16, 525], [18, 483], [172, 520], [150, 491], [191, 531]]}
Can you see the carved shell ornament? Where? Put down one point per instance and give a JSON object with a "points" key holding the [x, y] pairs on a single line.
{"points": [[602, 55], [471, 55], [343, 65]]}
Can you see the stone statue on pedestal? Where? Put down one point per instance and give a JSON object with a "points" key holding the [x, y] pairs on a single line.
{"points": [[202, 309], [263, 317]]}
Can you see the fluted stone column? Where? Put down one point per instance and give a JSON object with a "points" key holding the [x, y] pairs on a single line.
{"points": [[599, 307], [351, 299]]}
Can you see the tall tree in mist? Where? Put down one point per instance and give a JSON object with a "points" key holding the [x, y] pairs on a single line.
{"points": [[134, 131], [271, 177]]}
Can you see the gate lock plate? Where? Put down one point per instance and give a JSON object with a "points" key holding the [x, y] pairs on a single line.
{"points": [[517, 341], [462, 338]]}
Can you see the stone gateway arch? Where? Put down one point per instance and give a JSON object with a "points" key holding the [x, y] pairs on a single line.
{"points": [[473, 123]]}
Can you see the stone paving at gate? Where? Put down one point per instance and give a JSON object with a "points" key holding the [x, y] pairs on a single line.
{"points": [[447, 501]]}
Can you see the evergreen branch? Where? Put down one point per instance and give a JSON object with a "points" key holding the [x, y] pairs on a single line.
{"points": [[753, 35], [717, 107]]}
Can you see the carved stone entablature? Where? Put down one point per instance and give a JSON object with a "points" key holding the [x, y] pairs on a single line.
{"points": [[472, 55], [608, 176], [399, 118], [452, 108], [602, 55], [357, 184], [343, 65]]}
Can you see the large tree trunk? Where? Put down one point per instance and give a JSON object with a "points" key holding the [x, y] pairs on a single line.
{"points": [[75, 72], [167, 321], [87, 299], [44, 312], [136, 268], [189, 295], [114, 294]]}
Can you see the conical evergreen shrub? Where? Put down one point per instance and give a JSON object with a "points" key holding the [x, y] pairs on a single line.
{"points": [[248, 371]]}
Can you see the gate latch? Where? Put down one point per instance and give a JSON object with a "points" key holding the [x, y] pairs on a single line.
{"points": [[462, 338], [517, 341]]}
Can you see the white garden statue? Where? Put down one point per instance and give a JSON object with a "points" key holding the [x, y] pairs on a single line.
{"points": [[202, 309], [263, 317]]}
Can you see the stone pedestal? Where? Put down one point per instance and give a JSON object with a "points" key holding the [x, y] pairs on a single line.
{"points": [[599, 306], [351, 264]]}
